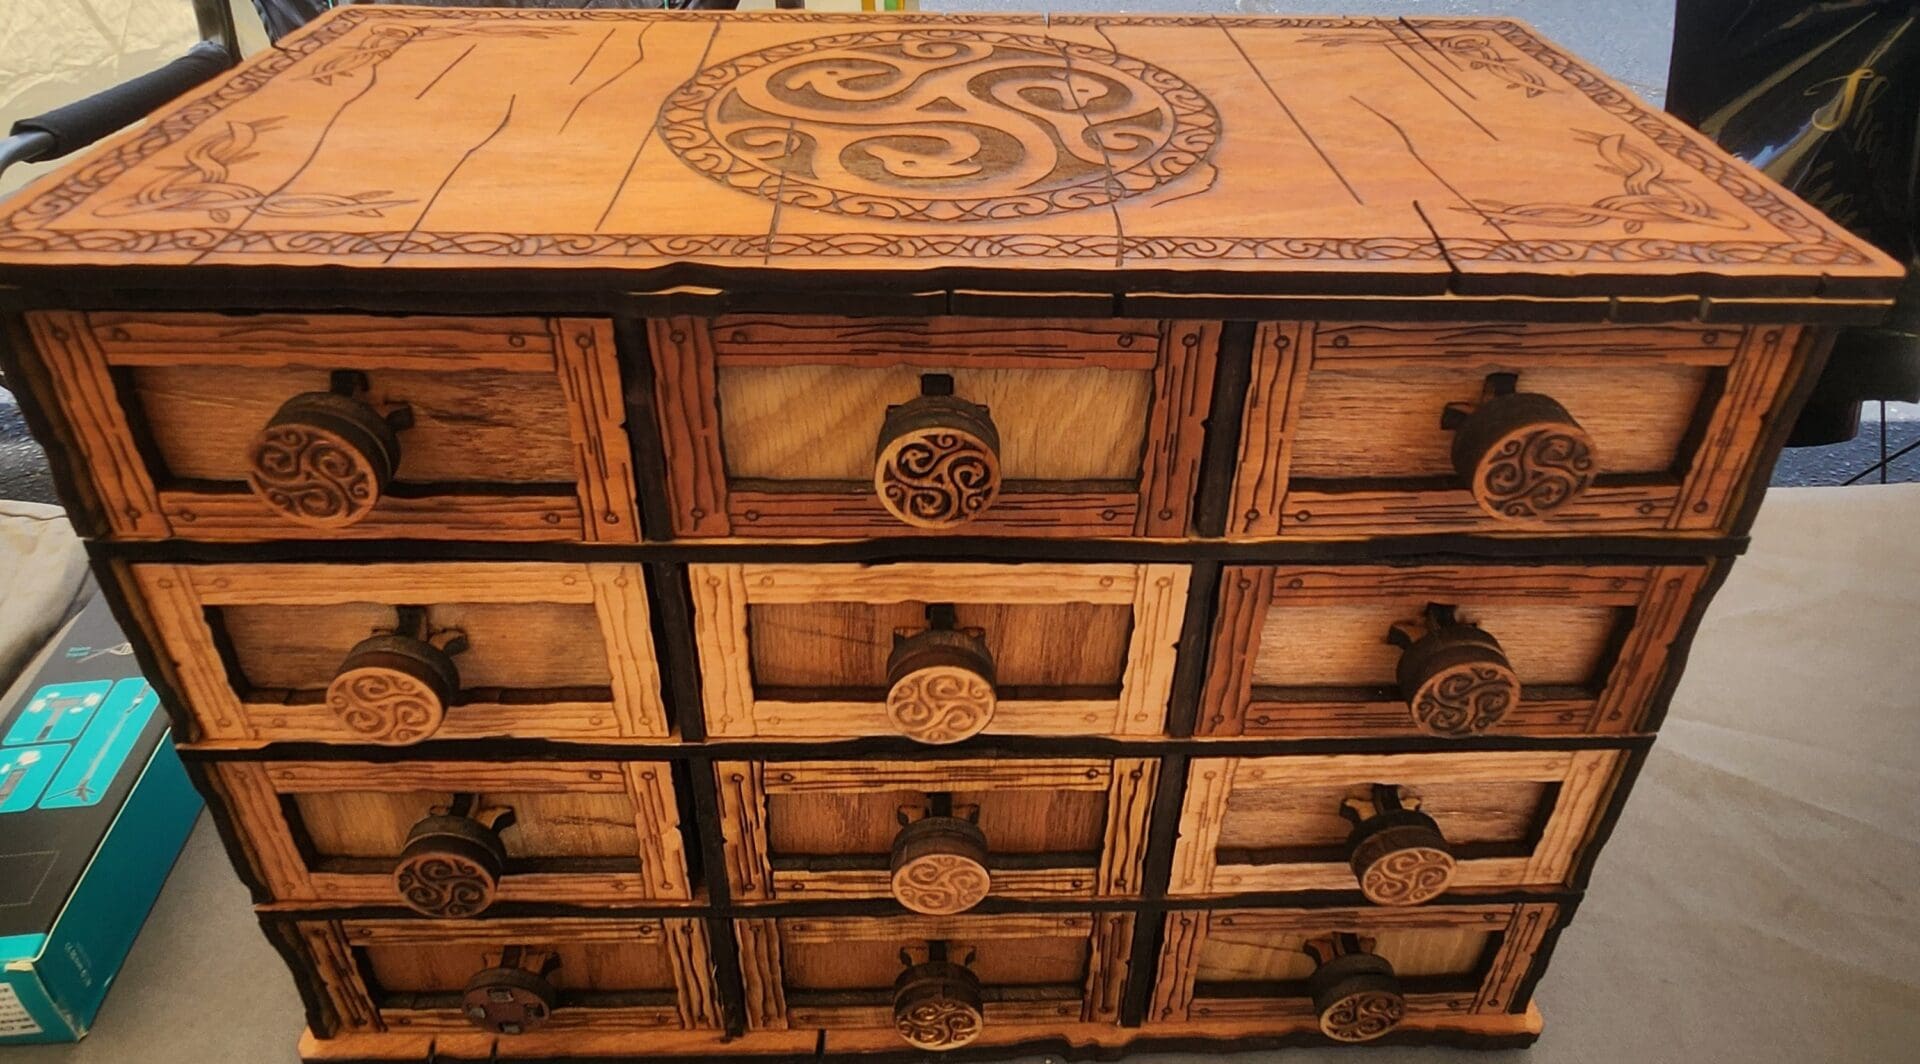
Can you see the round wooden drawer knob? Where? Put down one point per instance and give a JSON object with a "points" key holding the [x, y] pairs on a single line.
{"points": [[937, 1006], [1523, 456], [1400, 858], [938, 462], [323, 460], [1457, 681], [450, 868], [940, 686], [393, 689], [1357, 997], [508, 1000], [939, 866]]}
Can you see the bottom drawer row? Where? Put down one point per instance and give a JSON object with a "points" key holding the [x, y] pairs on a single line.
{"points": [[938, 982]]}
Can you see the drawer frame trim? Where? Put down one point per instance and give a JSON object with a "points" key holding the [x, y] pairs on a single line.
{"points": [[82, 353], [1726, 441], [1662, 598], [253, 791], [1587, 779], [1129, 784], [723, 594], [178, 596], [686, 355], [1525, 928]]}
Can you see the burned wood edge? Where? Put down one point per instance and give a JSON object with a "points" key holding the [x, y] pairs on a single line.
{"points": [[26, 378], [897, 748], [674, 645], [1816, 345], [1219, 465], [643, 427], [1424, 549]]}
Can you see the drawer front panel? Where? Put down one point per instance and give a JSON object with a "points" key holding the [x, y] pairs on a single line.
{"points": [[808, 651], [598, 975], [351, 833], [1505, 819], [774, 425], [1259, 964], [538, 650], [1323, 651], [840, 973], [498, 428], [795, 830], [1347, 429]]}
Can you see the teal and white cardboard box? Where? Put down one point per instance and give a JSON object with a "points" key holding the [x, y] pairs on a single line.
{"points": [[94, 808]]}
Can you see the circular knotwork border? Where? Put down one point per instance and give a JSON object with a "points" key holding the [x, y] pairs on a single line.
{"points": [[683, 124]]}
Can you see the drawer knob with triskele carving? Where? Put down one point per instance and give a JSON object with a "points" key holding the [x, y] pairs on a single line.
{"points": [[1397, 853], [325, 458], [1520, 453], [940, 685], [1454, 677], [937, 1004], [450, 868], [939, 863], [394, 687], [937, 465], [1355, 993]]}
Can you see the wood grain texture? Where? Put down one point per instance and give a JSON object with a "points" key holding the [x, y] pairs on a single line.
{"points": [[626, 633], [838, 515], [1159, 615], [1109, 952], [1023, 883], [330, 957], [1750, 399], [1585, 778], [249, 797], [580, 777], [388, 583], [721, 639], [1281, 357], [1221, 1035], [656, 817], [743, 829], [1642, 663], [1186, 932], [589, 372], [1210, 783], [1129, 815], [325, 341], [1239, 105], [1036, 582], [239, 517], [181, 634], [90, 401], [1182, 390], [934, 343], [1246, 593], [684, 401], [1060, 774], [693, 981], [761, 974]]}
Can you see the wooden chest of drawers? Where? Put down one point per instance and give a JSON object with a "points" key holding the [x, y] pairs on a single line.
{"points": [[693, 535]]}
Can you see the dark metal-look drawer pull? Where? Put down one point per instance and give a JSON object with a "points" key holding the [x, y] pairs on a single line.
{"points": [[1397, 853], [393, 688], [1355, 993], [450, 868], [940, 682], [937, 464], [1521, 454], [513, 996], [1454, 676], [937, 1005], [325, 458], [939, 862]]}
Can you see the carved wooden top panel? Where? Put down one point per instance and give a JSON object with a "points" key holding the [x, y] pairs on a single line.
{"points": [[1380, 156]]}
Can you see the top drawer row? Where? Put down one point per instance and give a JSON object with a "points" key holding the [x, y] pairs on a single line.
{"points": [[264, 427]]}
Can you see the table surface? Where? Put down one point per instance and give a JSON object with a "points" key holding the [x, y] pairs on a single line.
{"points": [[1756, 902], [1306, 155]]}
